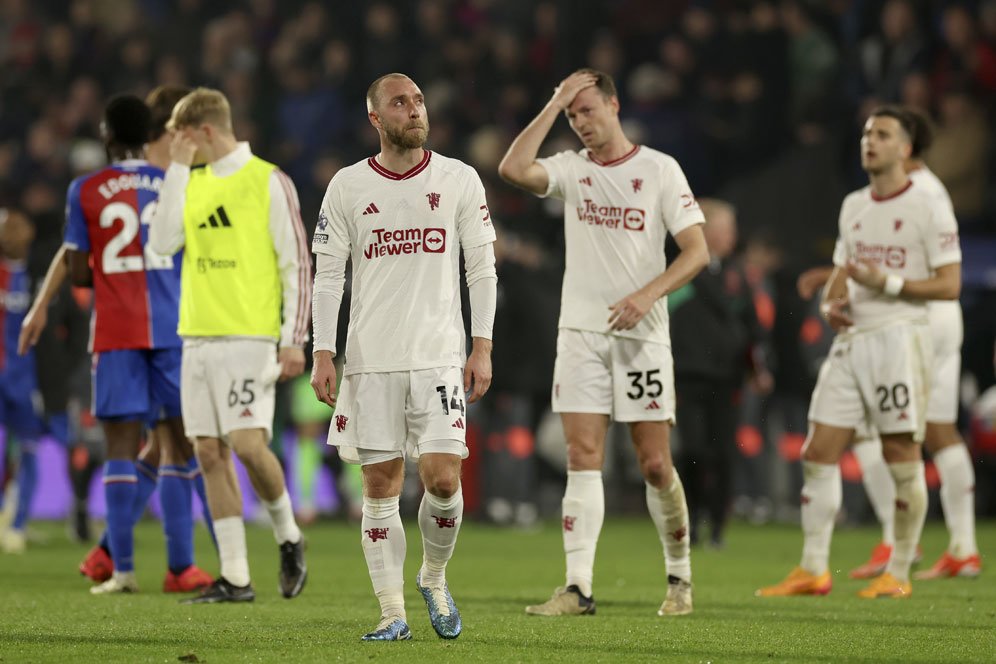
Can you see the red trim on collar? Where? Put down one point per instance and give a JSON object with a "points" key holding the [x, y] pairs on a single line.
{"points": [[410, 173], [895, 194], [615, 162]]}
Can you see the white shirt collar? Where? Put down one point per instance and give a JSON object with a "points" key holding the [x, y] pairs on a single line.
{"points": [[232, 161]]}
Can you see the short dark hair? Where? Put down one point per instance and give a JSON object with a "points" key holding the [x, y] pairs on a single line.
{"points": [[128, 121], [903, 117], [603, 82], [923, 136], [161, 102], [373, 92]]}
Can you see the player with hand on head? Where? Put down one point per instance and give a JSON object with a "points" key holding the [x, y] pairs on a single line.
{"points": [[243, 318], [403, 217], [942, 439], [897, 249], [136, 351], [613, 348]]}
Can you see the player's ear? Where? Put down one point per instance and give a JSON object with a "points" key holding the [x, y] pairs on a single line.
{"points": [[374, 119], [614, 103]]}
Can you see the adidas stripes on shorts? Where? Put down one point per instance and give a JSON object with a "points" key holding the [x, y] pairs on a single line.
{"points": [[630, 380], [389, 415]]}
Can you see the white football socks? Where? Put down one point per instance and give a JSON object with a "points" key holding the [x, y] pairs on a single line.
{"points": [[911, 512], [384, 546], [230, 533], [439, 520], [821, 498], [583, 512], [669, 512], [879, 485], [954, 465], [282, 515]]}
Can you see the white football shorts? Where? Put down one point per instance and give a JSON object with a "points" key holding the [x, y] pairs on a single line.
{"points": [[630, 380], [390, 415], [228, 384], [881, 375], [947, 332]]}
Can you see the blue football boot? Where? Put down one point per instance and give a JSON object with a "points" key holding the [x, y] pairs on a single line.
{"points": [[443, 613], [390, 628]]}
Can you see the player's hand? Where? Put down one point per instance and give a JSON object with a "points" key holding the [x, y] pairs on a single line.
{"points": [[866, 273], [762, 382], [291, 361], [629, 311], [477, 373], [31, 329], [323, 378], [182, 149], [569, 88], [811, 281], [836, 313]]}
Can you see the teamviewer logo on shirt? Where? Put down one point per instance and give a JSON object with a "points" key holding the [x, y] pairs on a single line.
{"points": [[434, 240], [634, 219]]}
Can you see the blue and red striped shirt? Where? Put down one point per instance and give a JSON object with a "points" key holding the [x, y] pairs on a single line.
{"points": [[136, 291]]}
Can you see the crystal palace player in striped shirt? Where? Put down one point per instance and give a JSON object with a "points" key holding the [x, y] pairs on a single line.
{"points": [[136, 350]]}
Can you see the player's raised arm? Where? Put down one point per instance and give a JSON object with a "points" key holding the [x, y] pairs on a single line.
{"points": [[294, 264], [519, 166], [37, 317], [166, 228]]}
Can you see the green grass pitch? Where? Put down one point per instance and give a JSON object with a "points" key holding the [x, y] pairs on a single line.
{"points": [[47, 615]]}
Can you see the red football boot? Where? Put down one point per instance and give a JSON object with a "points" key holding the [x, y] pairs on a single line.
{"points": [[97, 565], [191, 579]]}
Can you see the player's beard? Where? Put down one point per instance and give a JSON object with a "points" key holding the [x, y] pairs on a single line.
{"points": [[408, 140]]}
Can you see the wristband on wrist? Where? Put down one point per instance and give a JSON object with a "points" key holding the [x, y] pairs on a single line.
{"points": [[893, 285]]}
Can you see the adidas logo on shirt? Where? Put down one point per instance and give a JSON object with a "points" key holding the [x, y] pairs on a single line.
{"points": [[371, 209], [458, 424], [653, 405], [213, 221]]}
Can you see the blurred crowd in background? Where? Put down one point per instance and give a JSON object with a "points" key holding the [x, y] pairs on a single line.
{"points": [[760, 102]]}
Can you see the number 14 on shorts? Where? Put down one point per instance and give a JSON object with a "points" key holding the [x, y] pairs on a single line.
{"points": [[454, 402]]}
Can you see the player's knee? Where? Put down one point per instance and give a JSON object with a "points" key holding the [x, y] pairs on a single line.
{"points": [[209, 458], [656, 470], [443, 484], [582, 455]]}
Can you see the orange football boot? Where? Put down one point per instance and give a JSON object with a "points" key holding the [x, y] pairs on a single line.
{"points": [[799, 582], [888, 586]]}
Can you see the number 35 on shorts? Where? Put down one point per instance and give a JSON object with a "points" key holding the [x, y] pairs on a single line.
{"points": [[644, 384]]}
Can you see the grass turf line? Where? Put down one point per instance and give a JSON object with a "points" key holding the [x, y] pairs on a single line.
{"points": [[47, 615]]}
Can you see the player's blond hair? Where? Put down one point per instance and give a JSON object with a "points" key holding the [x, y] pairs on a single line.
{"points": [[202, 106]]}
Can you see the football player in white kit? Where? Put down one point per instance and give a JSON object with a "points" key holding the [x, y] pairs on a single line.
{"points": [[897, 249], [613, 348], [403, 217], [942, 440]]}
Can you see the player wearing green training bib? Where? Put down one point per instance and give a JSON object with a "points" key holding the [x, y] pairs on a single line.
{"points": [[244, 302]]}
